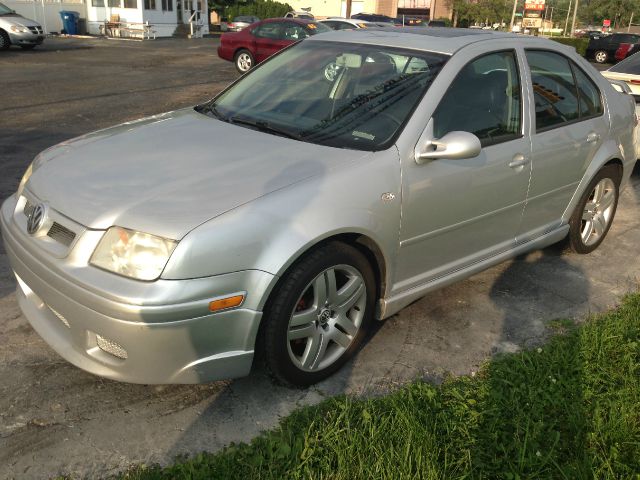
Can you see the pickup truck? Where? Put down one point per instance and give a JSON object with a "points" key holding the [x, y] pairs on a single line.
{"points": [[603, 48]]}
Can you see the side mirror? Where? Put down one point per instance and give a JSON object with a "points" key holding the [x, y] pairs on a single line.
{"points": [[453, 146]]}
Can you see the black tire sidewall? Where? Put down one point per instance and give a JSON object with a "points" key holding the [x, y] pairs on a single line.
{"points": [[575, 224], [284, 298], [6, 40], [237, 55]]}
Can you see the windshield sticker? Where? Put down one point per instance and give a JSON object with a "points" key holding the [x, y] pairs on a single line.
{"points": [[365, 135]]}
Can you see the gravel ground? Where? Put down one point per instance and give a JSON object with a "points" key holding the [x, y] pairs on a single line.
{"points": [[56, 419]]}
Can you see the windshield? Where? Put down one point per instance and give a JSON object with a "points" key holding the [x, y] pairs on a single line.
{"points": [[4, 10], [336, 94], [630, 65]]}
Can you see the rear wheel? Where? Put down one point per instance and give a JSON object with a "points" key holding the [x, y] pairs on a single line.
{"points": [[244, 61], [319, 314], [5, 42], [601, 56], [593, 216]]}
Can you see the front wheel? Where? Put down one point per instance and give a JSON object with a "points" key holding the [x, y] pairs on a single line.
{"points": [[5, 41], [601, 56], [244, 61], [593, 216], [318, 315]]}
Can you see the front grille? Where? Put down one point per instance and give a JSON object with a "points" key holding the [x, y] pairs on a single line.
{"points": [[61, 234], [111, 347], [36, 30], [61, 317]]}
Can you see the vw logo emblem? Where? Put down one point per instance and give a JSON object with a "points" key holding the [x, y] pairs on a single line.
{"points": [[324, 317], [36, 219]]}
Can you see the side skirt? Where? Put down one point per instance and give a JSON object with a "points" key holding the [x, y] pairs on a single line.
{"points": [[394, 303]]}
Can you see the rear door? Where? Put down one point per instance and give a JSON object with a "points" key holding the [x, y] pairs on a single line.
{"points": [[569, 127], [268, 39]]}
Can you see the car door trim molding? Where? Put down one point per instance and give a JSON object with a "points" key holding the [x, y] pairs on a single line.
{"points": [[396, 302]]}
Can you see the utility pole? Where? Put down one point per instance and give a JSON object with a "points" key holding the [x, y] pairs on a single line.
{"points": [[573, 23], [513, 15], [630, 21], [566, 23], [551, 21], [348, 11]]}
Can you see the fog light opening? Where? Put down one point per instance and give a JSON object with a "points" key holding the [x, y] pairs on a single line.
{"points": [[111, 347]]}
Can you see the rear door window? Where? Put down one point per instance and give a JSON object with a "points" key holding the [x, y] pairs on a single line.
{"points": [[268, 30], [554, 89]]}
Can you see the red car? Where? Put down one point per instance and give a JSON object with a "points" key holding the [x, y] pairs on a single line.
{"points": [[259, 41]]}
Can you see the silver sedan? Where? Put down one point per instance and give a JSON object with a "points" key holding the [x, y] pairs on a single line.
{"points": [[291, 211]]}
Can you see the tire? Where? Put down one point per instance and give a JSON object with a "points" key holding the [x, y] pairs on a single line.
{"points": [[244, 61], [306, 336], [601, 56], [5, 41], [594, 214], [27, 47]]}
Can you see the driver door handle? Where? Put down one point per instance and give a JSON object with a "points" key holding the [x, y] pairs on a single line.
{"points": [[518, 161]]}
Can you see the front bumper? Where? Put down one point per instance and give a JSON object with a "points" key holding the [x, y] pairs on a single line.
{"points": [[26, 38], [136, 339]]}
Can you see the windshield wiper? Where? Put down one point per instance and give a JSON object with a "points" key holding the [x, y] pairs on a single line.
{"points": [[263, 127], [211, 109]]}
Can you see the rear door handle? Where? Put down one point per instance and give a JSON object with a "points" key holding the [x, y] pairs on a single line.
{"points": [[518, 161], [593, 137]]}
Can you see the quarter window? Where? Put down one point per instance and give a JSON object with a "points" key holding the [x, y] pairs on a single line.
{"points": [[554, 89], [590, 102], [484, 99]]}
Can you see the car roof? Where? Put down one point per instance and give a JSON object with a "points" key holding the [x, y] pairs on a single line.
{"points": [[441, 40], [303, 21]]}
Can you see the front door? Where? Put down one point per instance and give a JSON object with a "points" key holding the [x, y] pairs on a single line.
{"points": [[456, 212]]}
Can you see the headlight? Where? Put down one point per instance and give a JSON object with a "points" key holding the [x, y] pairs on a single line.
{"points": [[25, 179], [132, 254], [19, 28]]}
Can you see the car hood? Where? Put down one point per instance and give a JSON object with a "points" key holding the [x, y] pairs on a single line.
{"points": [[167, 174], [16, 19]]}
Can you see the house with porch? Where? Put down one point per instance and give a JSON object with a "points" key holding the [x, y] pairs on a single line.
{"points": [[121, 18]]}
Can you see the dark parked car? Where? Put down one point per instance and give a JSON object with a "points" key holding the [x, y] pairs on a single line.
{"points": [[259, 41], [603, 48], [377, 18]]}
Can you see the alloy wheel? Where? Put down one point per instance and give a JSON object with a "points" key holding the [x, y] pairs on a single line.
{"points": [[326, 318], [598, 211], [244, 62]]}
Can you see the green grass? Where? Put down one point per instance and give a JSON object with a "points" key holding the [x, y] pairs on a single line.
{"points": [[567, 410]]}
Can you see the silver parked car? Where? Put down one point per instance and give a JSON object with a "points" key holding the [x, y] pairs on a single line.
{"points": [[18, 30], [243, 21], [156, 252]]}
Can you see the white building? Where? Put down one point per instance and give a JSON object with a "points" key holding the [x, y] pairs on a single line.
{"points": [[131, 17]]}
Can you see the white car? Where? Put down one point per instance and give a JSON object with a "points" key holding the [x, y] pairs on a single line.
{"points": [[339, 23], [628, 72]]}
